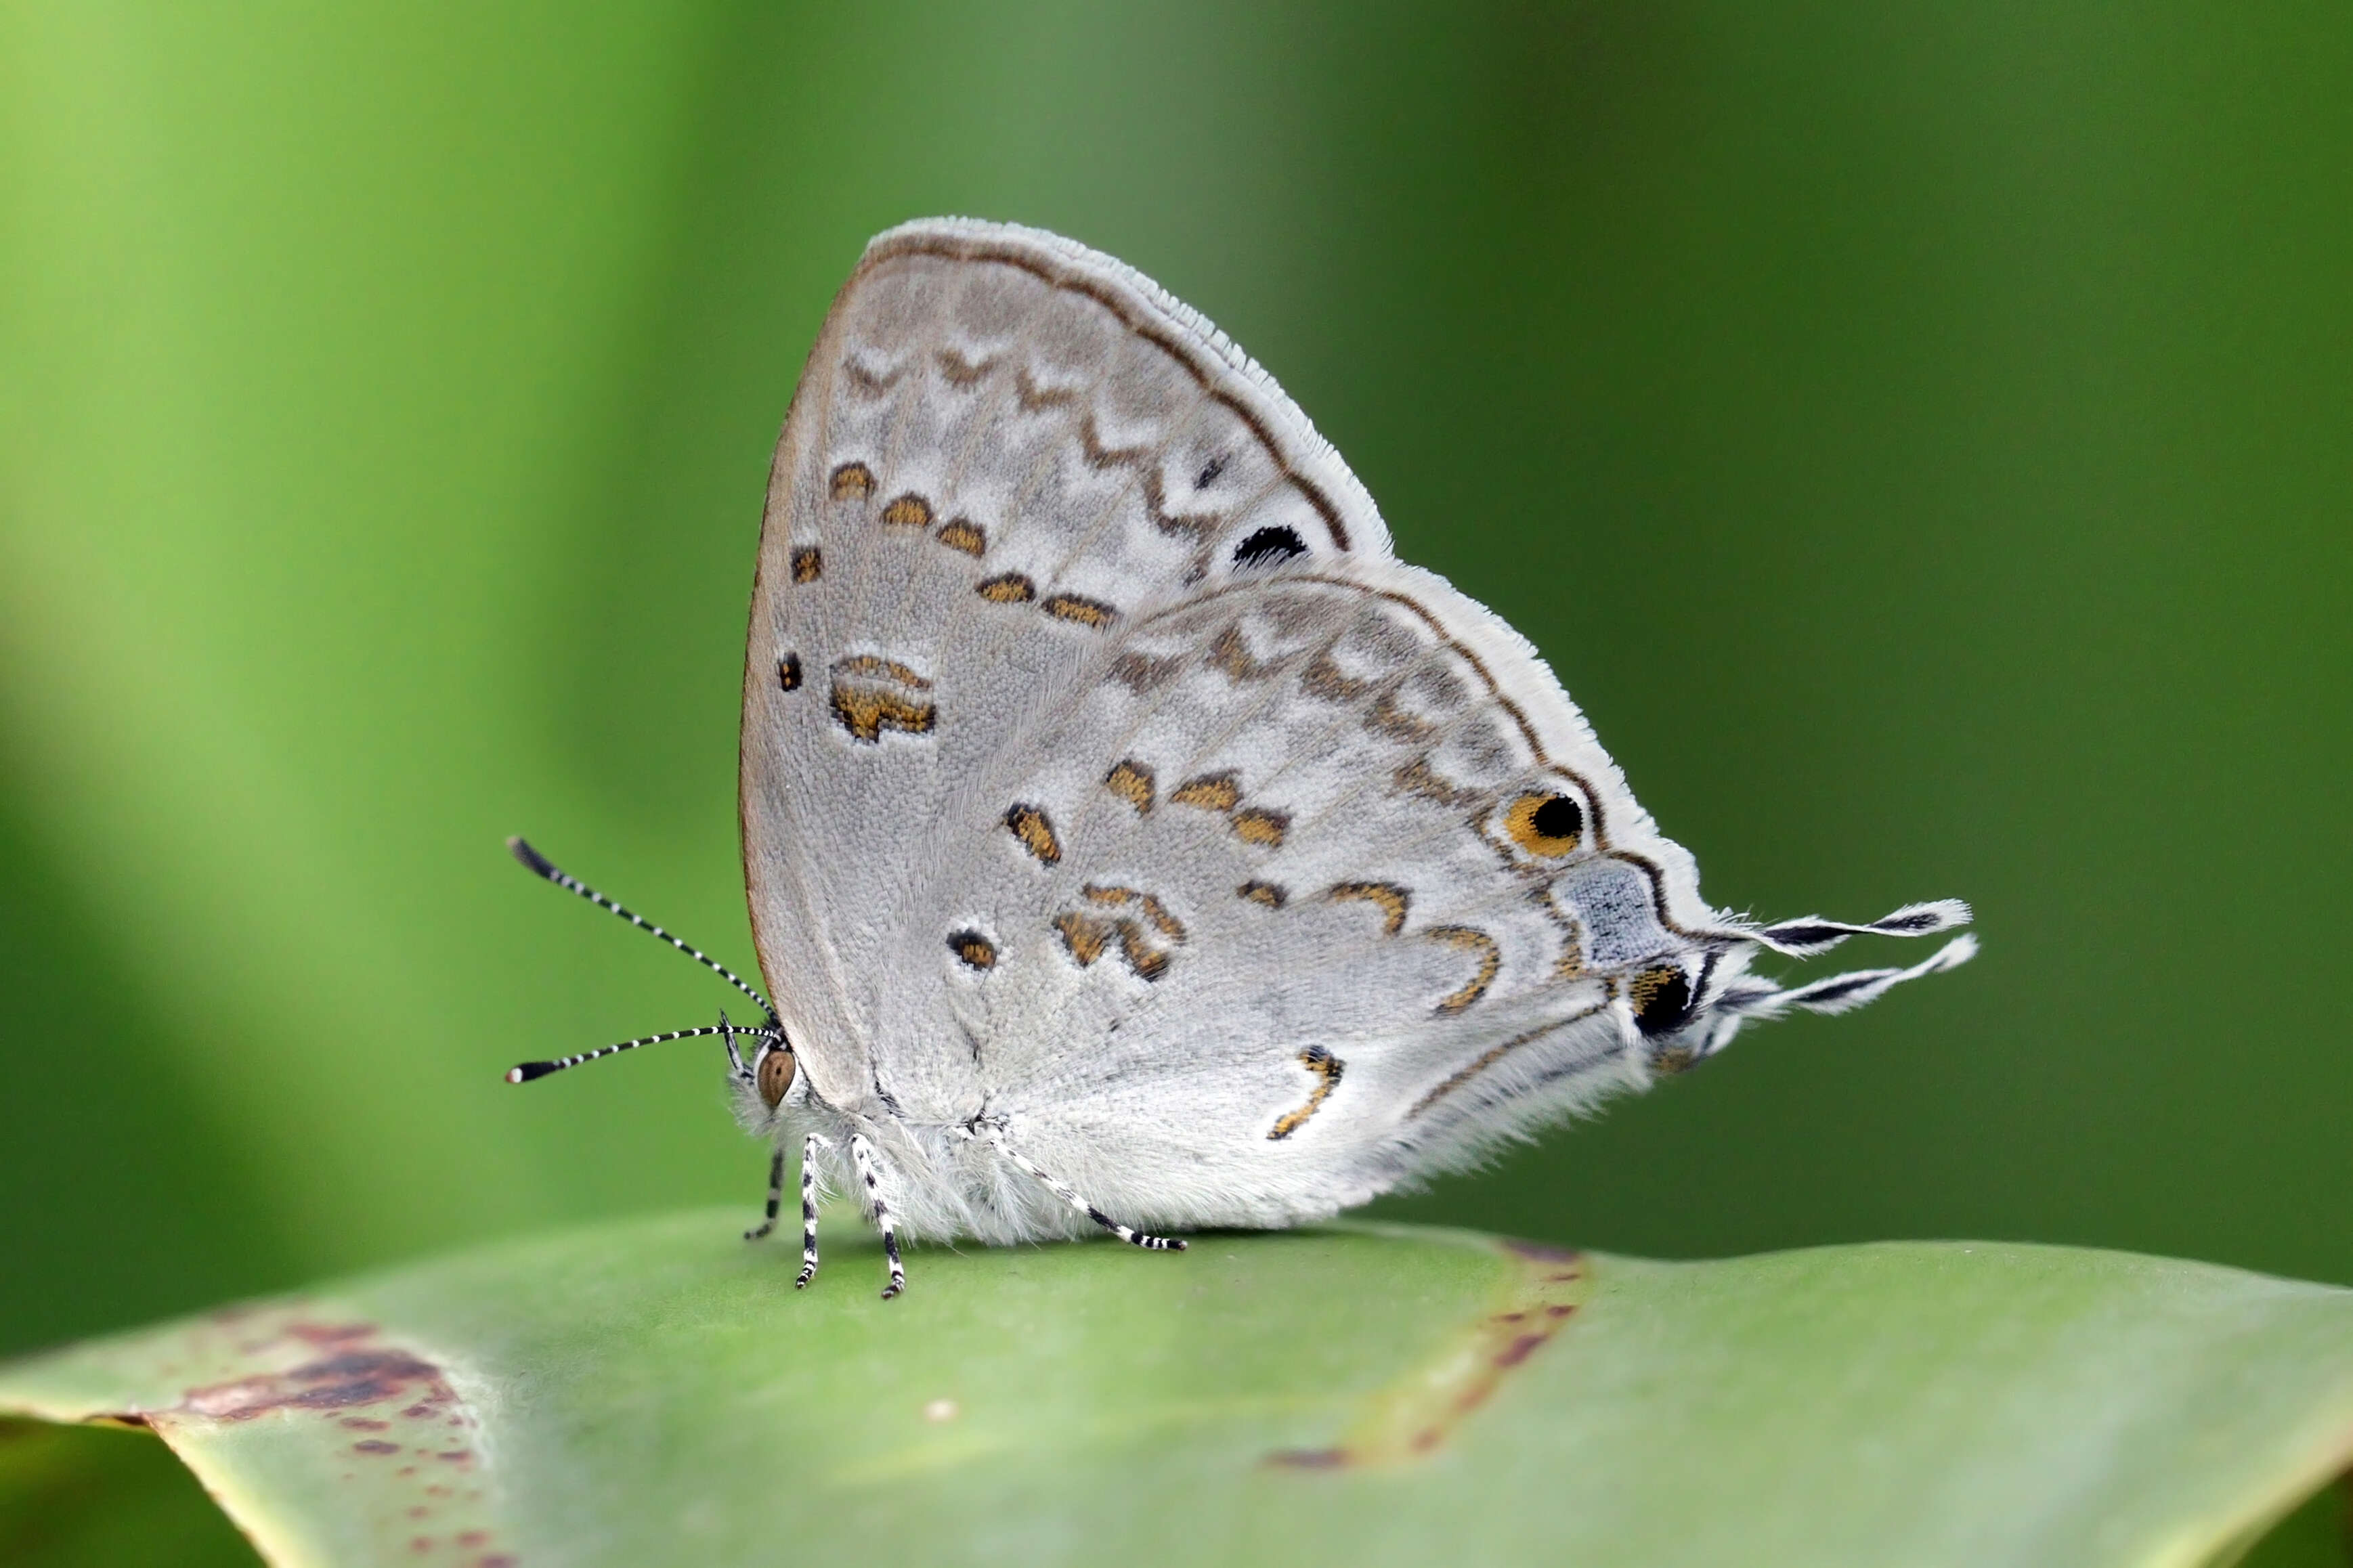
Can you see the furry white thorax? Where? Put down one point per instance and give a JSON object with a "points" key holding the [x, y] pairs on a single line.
{"points": [[1120, 813]]}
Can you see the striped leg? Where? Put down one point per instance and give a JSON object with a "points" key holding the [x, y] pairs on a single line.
{"points": [[861, 1154], [775, 1190], [1134, 1237], [809, 1146]]}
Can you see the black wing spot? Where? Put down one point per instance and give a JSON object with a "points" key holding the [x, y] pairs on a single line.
{"points": [[1269, 546], [1559, 818], [1210, 472], [1662, 1000]]}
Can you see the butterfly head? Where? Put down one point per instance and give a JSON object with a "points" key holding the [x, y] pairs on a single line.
{"points": [[762, 1085]]}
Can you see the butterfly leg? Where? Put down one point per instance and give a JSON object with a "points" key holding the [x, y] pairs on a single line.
{"points": [[809, 1147], [861, 1154], [775, 1194], [1128, 1233]]}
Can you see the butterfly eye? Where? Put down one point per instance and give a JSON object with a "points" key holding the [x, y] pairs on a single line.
{"points": [[1661, 999], [1546, 822], [774, 1074]]}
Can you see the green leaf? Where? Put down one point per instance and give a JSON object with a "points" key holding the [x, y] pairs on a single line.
{"points": [[656, 1391]]}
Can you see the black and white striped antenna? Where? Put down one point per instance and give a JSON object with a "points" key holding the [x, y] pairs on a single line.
{"points": [[526, 1071], [541, 866]]}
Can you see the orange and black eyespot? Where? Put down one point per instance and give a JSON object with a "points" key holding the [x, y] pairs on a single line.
{"points": [[773, 1073], [788, 672], [1662, 1000], [1546, 823], [972, 949]]}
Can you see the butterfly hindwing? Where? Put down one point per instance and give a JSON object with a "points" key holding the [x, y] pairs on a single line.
{"points": [[1300, 913]]}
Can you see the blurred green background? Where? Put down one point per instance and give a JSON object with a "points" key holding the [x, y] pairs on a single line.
{"points": [[1921, 437]]}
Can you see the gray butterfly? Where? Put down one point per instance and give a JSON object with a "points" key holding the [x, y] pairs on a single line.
{"points": [[1132, 839]]}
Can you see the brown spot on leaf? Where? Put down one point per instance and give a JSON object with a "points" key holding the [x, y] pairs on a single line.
{"points": [[380, 1404], [329, 1333], [1415, 1412], [1519, 1350], [1309, 1458], [335, 1383]]}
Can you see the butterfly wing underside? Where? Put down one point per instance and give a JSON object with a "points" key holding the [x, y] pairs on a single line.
{"points": [[1105, 776]]}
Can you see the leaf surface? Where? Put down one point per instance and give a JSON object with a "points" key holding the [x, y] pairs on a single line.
{"points": [[655, 1390]]}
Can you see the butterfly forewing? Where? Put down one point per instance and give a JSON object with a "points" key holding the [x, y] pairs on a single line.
{"points": [[1001, 451]]}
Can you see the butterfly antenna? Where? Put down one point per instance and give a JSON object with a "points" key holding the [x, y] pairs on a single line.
{"points": [[540, 865], [525, 1071]]}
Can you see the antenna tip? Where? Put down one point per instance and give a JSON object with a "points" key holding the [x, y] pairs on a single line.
{"points": [[532, 859], [529, 1071]]}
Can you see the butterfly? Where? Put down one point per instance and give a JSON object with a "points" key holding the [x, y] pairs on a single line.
{"points": [[1131, 840]]}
